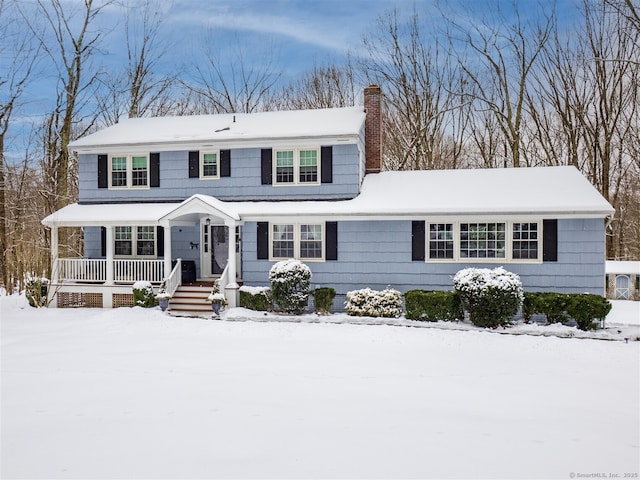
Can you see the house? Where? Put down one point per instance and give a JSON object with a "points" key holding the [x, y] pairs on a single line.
{"points": [[623, 279], [226, 196]]}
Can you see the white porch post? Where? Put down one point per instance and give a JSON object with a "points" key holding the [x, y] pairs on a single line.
{"points": [[55, 266], [167, 250], [231, 289], [110, 253], [54, 255]]}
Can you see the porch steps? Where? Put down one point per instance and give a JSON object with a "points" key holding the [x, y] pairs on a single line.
{"points": [[190, 301]]}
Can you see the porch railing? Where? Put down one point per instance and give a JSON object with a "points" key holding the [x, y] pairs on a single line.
{"points": [[174, 280], [88, 270]]}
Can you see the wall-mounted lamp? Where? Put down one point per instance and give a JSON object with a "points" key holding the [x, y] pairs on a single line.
{"points": [[208, 221], [194, 245]]}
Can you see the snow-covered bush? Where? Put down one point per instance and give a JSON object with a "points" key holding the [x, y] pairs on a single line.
{"points": [[256, 298], [491, 296], [216, 294], [36, 290], [374, 303], [290, 280], [143, 294]]}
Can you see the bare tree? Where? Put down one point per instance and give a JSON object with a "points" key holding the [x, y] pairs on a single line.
{"points": [[236, 82], [18, 46], [326, 86], [420, 87], [140, 90], [505, 49]]}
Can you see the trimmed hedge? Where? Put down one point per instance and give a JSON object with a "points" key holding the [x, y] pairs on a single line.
{"points": [[433, 305], [323, 299], [584, 308], [258, 299], [290, 280]]}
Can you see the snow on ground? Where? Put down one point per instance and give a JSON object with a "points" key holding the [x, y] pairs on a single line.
{"points": [[134, 393]]}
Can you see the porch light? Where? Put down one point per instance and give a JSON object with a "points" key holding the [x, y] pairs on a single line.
{"points": [[208, 221]]}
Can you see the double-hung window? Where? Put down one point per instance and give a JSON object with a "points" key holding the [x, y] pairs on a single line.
{"points": [[302, 241], [129, 171], [484, 241], [297, 166], [141, 240], [209, 165]]}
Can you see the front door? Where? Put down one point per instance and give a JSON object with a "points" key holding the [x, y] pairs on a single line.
{"points": [[215, 250]]}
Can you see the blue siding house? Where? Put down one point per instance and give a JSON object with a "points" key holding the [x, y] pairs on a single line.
{"points": [[190, 199]]}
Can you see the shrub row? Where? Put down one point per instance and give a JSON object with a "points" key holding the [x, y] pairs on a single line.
{"points": [[433, 305], [374, 303], [584, 308]]}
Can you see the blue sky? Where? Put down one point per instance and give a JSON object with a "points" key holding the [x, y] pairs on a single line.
{"points": [[294, 34]]}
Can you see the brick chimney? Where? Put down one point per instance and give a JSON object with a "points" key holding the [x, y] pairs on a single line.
{"points": [[373, 128]]}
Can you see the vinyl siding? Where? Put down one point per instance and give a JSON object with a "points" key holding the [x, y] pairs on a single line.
{"points": [[243, 184], [377, 254]]}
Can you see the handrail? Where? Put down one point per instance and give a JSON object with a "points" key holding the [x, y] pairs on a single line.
{"points": [[224, 279], [174, 280]]}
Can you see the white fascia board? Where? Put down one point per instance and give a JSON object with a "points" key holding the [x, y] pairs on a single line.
{"points": [[221, 144]]}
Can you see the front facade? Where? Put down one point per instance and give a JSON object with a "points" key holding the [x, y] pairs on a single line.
{"points": [[229, 195]]}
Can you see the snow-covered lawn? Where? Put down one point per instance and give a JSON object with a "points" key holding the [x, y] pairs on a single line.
{"points": [[133, 393]]}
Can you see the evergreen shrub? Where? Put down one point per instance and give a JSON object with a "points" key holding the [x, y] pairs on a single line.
{"points": [[256, 298], [433, 305], [143, 295], [36, 291], [491, 296], [323, 299], [373, 303], [290, 280], [585, 308]]}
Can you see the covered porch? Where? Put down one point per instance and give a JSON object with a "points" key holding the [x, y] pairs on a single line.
{"points": [[144, 242]]}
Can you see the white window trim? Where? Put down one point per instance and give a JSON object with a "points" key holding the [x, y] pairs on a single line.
{"points": [[296, 166], [209, 177], [296, 241], [134, 243], [129, 185], [508, 258]]}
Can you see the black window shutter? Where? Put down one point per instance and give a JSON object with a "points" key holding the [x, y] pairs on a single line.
{"points": [[154, 169], [265, 162], [326, 164], [550, 240], [103, 242], [194, 164], [160, 244], [103, 171], [225, 163], [418, 240], [263, 241], [331, 241]]}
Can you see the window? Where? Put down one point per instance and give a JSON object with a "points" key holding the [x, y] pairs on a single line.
{"points": [[209, 165], [143, 243], [525, 241], [440, 240], [123, 241], [283, 242], [482, 240], [296, 167], [301, 241], [129, 171], [146, 241]]}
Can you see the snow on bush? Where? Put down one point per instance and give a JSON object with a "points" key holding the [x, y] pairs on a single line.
{"points": [[36, 290], [143, 294], [374, 303], [256, 298], [491, 296], [290, 281]]}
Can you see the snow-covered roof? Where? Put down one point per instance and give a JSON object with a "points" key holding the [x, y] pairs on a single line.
{"points": [[76, 215], [224, 129], [623, 266], [550, 191]]}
